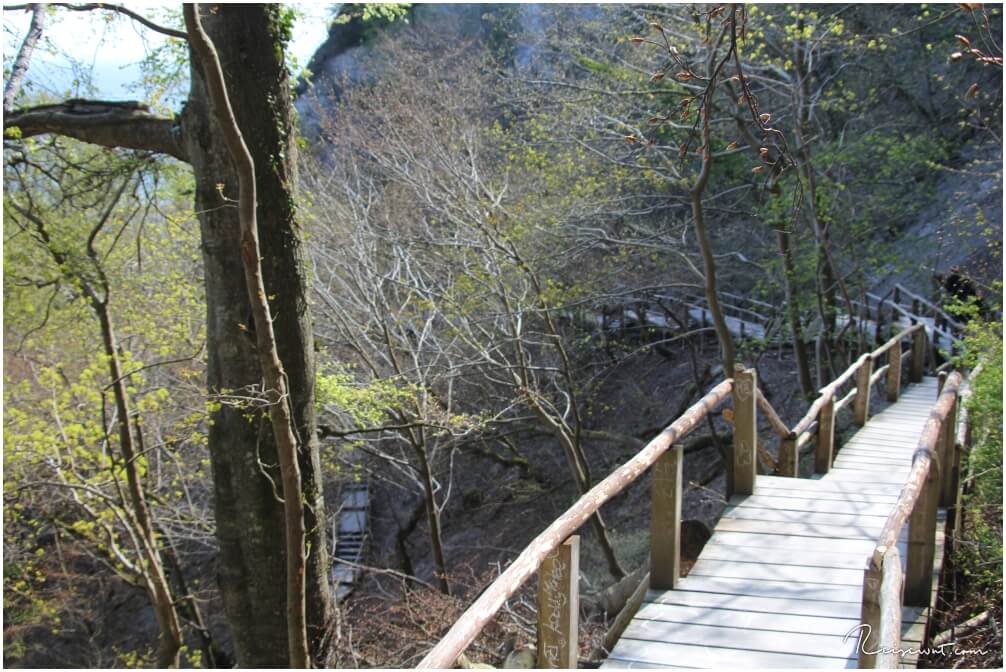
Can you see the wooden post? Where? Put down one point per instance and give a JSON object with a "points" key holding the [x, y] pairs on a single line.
{"points": [[861, 404], [869, 618], [941, 380], [665, 519], [893, 383], [880, 617], [745, 430], [897, 296], [559, 606], [825, 453], [922, 541], [878, 337], [918, 355], [789, 458], [891, 590]]}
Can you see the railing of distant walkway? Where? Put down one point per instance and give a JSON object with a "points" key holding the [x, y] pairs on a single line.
{"points": [[554, 553]]}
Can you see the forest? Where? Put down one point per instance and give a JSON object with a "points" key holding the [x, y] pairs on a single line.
{"points": [[303, 359]]}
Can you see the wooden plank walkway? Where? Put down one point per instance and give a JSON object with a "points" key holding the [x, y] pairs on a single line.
{"points": [[780, 582]]}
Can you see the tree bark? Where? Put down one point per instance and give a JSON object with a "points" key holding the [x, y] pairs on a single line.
{"points": [[275, 389], [243, 451]]}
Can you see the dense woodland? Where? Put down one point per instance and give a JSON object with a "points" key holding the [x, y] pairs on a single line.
{"points": [[453, 260]]}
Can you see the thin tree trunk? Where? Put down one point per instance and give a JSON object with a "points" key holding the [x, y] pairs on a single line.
{"points": [[137, 511], [699, 220], [277, 395], [23, 58], [433, 520], [170, 640], [793, 311], [826, 276]]}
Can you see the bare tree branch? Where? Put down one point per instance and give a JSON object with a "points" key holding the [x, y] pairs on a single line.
{"points": [[87, 7]]}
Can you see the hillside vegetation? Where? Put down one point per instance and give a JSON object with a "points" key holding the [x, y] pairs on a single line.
{"points": [[480, 246]]}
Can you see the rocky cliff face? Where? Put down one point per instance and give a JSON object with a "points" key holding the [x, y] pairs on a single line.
{"points": [[515, 33]]}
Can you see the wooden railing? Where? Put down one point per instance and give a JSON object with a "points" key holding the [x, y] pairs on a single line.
{"points": [[933, 481], [818, 423], [909, 305], [920, 305], [554, 553]]}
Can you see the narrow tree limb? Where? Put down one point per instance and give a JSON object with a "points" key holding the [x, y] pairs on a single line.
{"points": [[119, 9], [127, 124], [23, 58]]}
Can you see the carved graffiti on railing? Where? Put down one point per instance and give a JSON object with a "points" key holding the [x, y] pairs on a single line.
{"points": [[555, 601]]}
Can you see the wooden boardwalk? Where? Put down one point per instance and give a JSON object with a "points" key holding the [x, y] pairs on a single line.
{"points": [[780, 583]]}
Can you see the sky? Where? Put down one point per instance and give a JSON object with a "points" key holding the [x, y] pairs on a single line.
{"points": [[113, 45]]}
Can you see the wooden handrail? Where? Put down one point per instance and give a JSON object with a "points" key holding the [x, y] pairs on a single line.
{"points": [[921, 465], [846, 400], [825, 393], [944, 314], [829, 390], [475, 618], [773, 418], [895, 339], [879, 373], [912, 316], [964, 436], [805, 438], [883, 583]]}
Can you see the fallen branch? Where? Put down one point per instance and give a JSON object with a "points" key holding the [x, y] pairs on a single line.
{"points": [[965, 628]]}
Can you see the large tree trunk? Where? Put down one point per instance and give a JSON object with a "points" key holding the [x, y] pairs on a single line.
{"points": [[249, 513]]}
